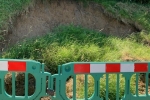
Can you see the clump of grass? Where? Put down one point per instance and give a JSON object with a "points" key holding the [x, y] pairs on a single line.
{"points": [[141, 37], [9, 8], [139, 14], [126, 10]]}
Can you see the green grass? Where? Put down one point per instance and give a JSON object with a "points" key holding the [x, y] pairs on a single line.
{"points": [[9, 8], [126, 10], [72, 43]]}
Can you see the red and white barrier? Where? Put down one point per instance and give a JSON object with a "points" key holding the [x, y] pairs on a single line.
{"points": [[110, 68], [13, 66]]}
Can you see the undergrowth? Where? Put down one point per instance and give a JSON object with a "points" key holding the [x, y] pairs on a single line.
{"points": [[74, 43], [71, 43]]}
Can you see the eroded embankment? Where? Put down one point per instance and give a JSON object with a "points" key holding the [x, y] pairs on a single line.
{"points": [[42, 17]]}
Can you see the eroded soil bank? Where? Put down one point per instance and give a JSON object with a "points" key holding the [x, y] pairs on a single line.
{"points": [[41, 17]]}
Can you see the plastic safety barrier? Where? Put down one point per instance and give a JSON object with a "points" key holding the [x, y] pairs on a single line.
{"points": [[25, 66], [97, 70], [57, 82]]}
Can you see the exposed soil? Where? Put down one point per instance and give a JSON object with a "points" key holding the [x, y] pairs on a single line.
{"points": [[20, 84], [43, 15]]}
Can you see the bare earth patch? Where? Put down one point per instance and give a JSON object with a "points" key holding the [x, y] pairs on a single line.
{"points": [[41, 17]]}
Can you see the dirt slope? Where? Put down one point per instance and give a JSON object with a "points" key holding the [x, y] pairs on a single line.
{"points": [[42, 17]]}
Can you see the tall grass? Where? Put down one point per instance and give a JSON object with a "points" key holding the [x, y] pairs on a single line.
{"points": [[71, 43]]}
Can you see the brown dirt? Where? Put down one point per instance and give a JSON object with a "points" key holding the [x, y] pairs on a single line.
{"points": [[41, 17], [20, 84]]}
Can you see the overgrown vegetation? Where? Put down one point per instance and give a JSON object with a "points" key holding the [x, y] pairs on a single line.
{"points": [[74, 43], [70, 43]]}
